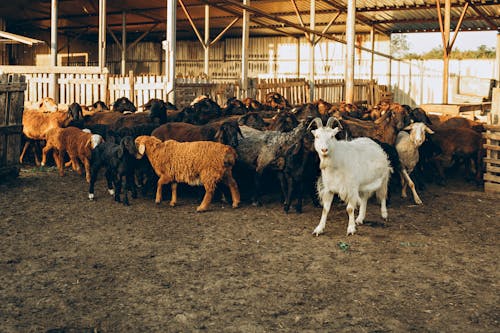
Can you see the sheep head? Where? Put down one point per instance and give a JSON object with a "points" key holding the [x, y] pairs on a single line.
{"points": [[417, 132]]}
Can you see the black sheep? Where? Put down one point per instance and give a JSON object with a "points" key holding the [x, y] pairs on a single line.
{"points": [[119, 161]]}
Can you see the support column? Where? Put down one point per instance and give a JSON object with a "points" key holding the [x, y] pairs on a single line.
{"points": [[170, 50], [350, 38], [446, 53], [372, 54], [497, 64], [207, 39], [124, 43], [298, 57], [312, 43], [244, 51], [53, 50], [102, 34]]}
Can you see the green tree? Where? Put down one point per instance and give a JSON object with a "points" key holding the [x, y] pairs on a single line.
{"points": [[399, 45]]}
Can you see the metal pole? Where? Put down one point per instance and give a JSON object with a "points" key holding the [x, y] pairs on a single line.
{"points": [[207, 39], [170, 49], [244, 51], [372, 55], [312, 37], [124, 43], [350, 37], [446, 53], [53, 50], [102, 34]]}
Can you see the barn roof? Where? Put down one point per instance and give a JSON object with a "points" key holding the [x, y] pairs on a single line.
{"points": [[268, 17]]}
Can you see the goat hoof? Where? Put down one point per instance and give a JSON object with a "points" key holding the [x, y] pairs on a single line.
{"points": [[286, 208]]}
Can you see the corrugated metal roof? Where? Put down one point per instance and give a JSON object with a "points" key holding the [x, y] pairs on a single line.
{"points": [[269, 17]]}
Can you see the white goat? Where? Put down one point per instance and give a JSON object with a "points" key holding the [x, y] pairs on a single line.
{"points": [[407, 147], [353, 170]]}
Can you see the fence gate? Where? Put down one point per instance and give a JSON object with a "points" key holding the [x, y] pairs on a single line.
{"points": [[12, 89]]}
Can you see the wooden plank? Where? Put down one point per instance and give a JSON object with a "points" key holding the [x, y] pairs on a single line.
{"points": [[495, 128], [491, 147], [491, 160], [491, 187], [491, 178], [492, 135], [492, 169]]}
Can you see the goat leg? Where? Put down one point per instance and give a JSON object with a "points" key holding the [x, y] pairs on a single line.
{"points": [[327, 198]]}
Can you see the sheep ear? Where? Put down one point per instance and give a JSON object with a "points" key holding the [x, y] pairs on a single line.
{"points": [[409, 127], [428, 130], [141, 148]]}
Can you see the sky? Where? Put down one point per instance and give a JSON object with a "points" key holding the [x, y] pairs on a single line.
{"points": [[466, 40]]}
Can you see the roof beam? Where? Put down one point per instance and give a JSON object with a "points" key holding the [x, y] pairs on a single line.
{"points": [[298, 27], [252, 19], [359, 17], [486, 18], [429, 6]]}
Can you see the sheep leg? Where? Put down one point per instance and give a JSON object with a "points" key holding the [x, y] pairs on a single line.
{"points": [[416, 198], [173, 199], [327, 203], [351, 206], [256, 199], [86, 164], [403, 183], [233, 187], [126, 188], [299, 194], [45, 151], [61, 159], [36, 144], [25, 148], [209, 192], [163, 180], [283, 188], [109, 181], [118, 187], [362, 207], [95, 170]]}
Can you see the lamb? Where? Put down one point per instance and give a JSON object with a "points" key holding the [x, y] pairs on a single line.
{"points": [[77, 143], [195, 163], [353, 170], [407, 146], [119, 161]]}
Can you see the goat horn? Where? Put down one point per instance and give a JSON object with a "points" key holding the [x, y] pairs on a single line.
{"points": [[331, 120], [316, 121]]}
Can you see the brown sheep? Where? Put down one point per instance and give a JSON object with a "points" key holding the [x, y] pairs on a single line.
{"points": [[195, 163], [36, 124], [77, 143], [46, 104], [384, 129], [459, 143]]}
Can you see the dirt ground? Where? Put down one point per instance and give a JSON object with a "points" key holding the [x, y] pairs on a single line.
{"points": [[68, 264]]}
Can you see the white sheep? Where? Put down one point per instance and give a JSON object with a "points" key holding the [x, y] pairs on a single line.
{"points": [[353, 170], [407, 147]]}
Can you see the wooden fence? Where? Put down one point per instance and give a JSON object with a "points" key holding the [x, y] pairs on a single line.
{"points": [[11, 106], [86, 85], [492, 160]]}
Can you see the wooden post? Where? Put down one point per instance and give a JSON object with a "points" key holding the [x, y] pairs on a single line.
{"points": [[244, 50], [207, 39], [350, 38], [102, 34], [298, 57], [53, 50], [372, 55], [131, 83], [497, 64], [170, 50], [446, 53], [124, 43], [312, 44]]}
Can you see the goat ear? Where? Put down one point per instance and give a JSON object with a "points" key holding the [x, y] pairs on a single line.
{"points": [[409, 127], [428, 130]]}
